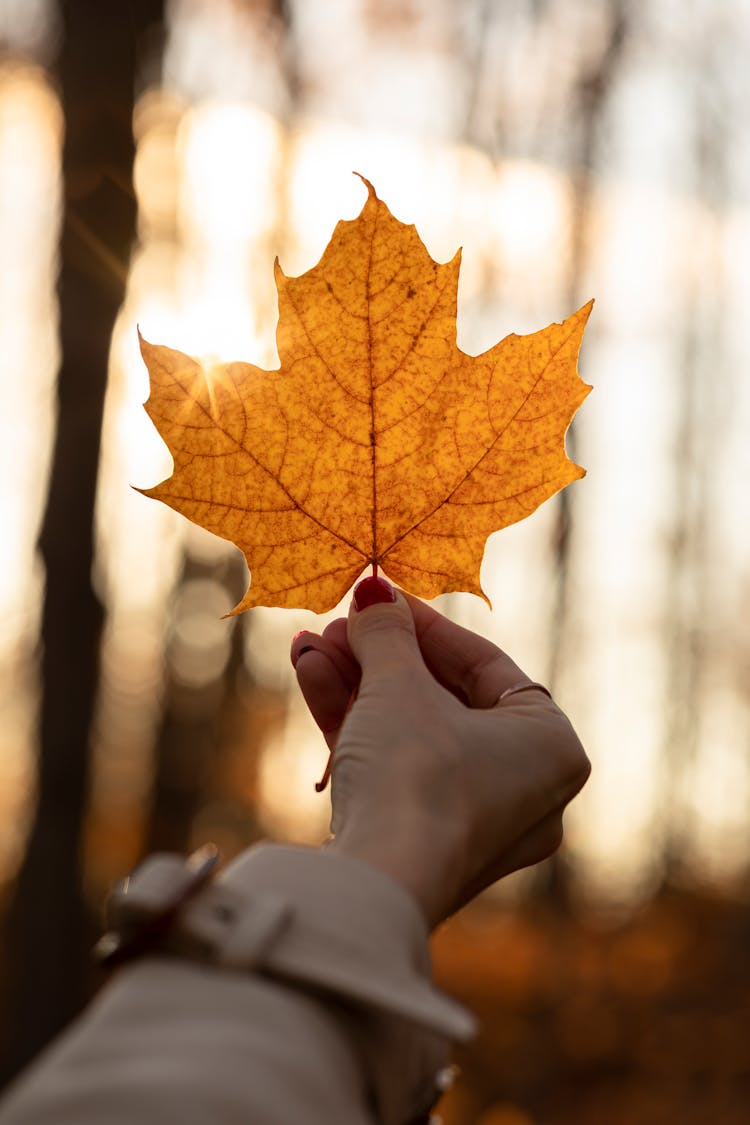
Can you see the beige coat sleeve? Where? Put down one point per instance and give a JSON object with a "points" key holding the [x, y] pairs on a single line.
{"points": [[296, 990]]}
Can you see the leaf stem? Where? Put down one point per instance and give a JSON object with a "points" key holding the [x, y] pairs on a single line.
{"points": [[320, 785]]}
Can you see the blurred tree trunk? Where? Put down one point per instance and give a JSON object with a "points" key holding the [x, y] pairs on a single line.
{"points": [[48, 938], [593, 90], [698, 436], [587, 111]]}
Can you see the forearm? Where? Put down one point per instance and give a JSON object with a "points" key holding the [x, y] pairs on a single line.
{"points": [[417, 851], [173, 1041]]}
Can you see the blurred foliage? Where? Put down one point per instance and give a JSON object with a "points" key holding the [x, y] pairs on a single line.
{"points": [[586, 1021]]}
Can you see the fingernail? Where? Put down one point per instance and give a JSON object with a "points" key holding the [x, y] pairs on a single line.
{"points": [[373, 591], [300, 634], [302, 651]]}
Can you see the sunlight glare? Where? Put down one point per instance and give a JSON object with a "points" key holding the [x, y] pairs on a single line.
{"points": [[30, 144], [30, 140], [529, 212]]}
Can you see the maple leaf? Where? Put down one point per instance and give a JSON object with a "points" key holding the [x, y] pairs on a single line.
{"points": [[377, 441]]}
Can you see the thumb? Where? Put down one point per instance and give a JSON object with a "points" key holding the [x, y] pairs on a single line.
{"points": [[380, 629]]}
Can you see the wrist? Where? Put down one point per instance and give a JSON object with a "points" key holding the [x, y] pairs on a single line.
{"points": [[422, 863]]}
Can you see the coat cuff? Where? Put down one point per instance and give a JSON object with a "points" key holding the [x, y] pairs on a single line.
{"points": [[352, 930], [325, 922]]}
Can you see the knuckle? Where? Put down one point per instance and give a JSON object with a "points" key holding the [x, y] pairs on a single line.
{"points": [[385, 642], [574, 763], [482, 672], [334, 629], [547, 839], [376, 623]]}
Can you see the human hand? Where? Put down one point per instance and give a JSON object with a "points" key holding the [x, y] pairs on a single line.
{"points": [[435, 781]]}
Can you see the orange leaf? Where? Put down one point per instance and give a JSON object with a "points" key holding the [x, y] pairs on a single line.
{"points": [[378, 441]]}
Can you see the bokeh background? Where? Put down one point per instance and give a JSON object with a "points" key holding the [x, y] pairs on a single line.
{"points": [[154, 159]]}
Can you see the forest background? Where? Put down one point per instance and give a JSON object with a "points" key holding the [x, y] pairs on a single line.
{"points": [[154, 158]]}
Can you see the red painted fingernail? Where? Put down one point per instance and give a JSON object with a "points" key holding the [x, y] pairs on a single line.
{"points": [[300, 634], [373, 591]]}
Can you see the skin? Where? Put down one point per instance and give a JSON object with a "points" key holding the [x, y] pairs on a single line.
{"points": [[434, 781]]}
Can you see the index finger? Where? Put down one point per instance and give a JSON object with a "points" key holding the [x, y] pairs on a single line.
{"points": [[470, 666]]}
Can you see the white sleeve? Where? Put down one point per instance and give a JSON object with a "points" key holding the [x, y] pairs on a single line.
{"points": [[313, 1004]]}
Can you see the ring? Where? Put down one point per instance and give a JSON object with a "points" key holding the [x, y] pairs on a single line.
{"points": [[523, 686]]}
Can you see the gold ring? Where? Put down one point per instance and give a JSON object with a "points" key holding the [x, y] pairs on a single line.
{"points": [[522, 686]]}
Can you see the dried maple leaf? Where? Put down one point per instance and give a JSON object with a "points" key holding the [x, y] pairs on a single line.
{"points": [[378, 441]]}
